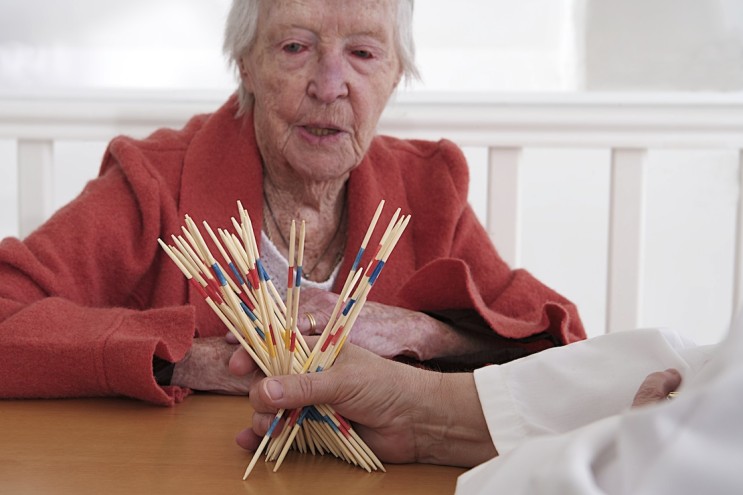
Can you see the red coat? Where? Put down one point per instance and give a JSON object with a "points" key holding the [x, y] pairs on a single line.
{"points": [[88, 298]]}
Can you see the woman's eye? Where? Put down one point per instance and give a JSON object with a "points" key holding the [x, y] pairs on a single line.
{"points": [[365, 54], [293, 48]]}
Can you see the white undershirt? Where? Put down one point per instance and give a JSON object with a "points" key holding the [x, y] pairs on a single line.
{"points": [[277, 267]]}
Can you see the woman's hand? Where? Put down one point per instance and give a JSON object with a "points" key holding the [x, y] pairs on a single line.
{"points": [[389, 331], [206, 367], [403, 413]]}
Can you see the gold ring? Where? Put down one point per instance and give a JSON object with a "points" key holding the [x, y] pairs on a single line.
{"points": [[313, 323]]}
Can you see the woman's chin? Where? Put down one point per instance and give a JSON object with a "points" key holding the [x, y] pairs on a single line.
{"points": [[322, 164]]}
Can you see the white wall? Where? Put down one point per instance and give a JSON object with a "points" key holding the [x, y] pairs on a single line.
{"points": [[481, 45], [495, 45], [664, 45], [478, 45], [160, 44]]}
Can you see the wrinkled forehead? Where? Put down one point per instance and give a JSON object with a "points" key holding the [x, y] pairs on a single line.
{"points": [[330, 17]]}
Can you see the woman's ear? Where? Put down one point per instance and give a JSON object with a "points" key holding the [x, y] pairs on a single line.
{"points": [[398, 79], [247, 80], [397, 83]]}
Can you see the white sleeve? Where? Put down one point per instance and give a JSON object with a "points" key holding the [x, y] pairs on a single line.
{"points": [[561, 389], [556, 464], [692, 444]]}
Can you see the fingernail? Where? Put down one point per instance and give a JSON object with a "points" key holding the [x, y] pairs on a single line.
{"points": [[274, 389]]}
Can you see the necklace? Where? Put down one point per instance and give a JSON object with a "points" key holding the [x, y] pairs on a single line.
{"points": [[338, 256]]}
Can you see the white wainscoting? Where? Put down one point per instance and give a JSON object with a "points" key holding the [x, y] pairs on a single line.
{"points": [[629, 204]]}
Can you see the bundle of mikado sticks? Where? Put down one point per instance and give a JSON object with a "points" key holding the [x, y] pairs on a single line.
{"points": [[249, 305]]}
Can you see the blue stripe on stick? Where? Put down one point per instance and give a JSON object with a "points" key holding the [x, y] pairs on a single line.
{"points": [[247, 311], [262, 271], [375, 273], [348, 306], [357, 260], [237, 275], [305, 411], [273, 425], [220, 276]]}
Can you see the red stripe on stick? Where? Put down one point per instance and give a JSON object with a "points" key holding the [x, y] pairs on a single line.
{"points": [[199, 288]]}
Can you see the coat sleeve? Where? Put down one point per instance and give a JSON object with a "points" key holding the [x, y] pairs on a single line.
{"points": [[465, 271], [73, 294]]}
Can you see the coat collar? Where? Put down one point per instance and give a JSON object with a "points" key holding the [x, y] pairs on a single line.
{"points": [[221, 166]]}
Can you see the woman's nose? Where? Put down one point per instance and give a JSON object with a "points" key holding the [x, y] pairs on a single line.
{"points": [[329, 81]]}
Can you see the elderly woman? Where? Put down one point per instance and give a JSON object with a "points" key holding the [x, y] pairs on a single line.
{"points": [[91, 306]]}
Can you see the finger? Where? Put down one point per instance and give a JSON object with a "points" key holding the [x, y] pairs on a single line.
{"points": [[248, 440], [303, 324], [664, 382], [262, 421], [309, 323], [230, 338], [657, 386], [269, 395], [673, 380], [291, 391], [241, 363]]}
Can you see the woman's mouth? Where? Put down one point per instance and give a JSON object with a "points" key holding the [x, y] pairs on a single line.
{"points": [[321, 131]]}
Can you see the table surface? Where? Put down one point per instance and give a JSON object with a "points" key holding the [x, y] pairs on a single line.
{"points": [[123, 446]]}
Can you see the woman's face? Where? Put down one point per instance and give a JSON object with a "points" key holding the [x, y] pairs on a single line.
{"points": [[321, 72]]}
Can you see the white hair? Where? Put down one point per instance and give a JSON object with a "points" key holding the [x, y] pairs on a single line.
{"points": [[242, 25]]}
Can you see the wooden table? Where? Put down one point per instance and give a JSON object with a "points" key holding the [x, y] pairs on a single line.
{"points": [[105, 446]]}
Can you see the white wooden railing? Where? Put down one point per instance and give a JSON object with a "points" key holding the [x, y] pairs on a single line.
{"points": [[626, 124]]}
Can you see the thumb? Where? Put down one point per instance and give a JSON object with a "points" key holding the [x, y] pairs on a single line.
{"points": [[292, 391]]}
